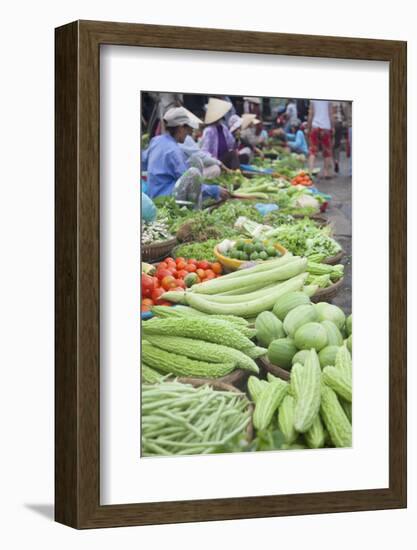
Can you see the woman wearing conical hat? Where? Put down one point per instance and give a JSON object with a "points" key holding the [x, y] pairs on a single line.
{"points": [[217, 138]]}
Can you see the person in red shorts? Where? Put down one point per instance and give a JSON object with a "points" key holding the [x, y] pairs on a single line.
{"points": [[320, 125]]}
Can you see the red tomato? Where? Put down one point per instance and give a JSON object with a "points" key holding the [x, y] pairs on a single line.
{"points": [[168, 282], [147, 285], [180, 283], [192, 261], [191, 268], [201, 273], [161, 273], [210, 273], [217, 267], [203, 264], [162, 265], [179, 260], [182, 273], [174, 273], [181, 264], [155, 282], [169, 259], [156, 294]]}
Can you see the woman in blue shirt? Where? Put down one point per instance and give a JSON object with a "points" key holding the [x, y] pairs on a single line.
{"points": [[296, 140], [165, 162]]}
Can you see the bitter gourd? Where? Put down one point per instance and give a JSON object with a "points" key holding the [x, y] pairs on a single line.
{"points": [[315, 437], [286, 419], [209, 330], [308, 398], [337, 380], [256, 387], [179, 365], [149, 375], [203, 351], [334, 418], [268, 402]]}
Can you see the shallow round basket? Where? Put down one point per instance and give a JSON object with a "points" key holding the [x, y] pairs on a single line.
{"points": [[233, 264], [274, 369], [221, 385], [333, 260], [326, 294], [157, 251]]}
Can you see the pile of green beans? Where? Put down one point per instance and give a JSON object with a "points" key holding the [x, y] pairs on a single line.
{"points": [[178, 419]]}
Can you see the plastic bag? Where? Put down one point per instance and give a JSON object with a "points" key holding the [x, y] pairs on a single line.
{"points": [[148, 209]]}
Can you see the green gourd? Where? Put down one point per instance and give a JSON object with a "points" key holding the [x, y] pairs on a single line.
{"points": [[256, 387], [286, 419], [281, 352], [308, 394], [288, 302], [311, 335], [300, 356], [339, 382], [315, 437], [268, 328], [268, 402], [298, 317], [203, 351], [334, 418], [179, 365], [327, 355], [334, 336]]}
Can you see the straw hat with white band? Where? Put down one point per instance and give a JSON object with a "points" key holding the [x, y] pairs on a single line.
{"points": [[249, 120], [216, 109]]}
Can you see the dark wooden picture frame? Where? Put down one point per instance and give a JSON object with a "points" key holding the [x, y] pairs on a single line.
{"points": [[77, 372]]}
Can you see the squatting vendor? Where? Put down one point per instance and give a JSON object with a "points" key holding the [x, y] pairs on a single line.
{"points": [[165, 162]]}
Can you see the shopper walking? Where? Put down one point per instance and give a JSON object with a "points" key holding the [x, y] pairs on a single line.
{"points": [[320, 128]]}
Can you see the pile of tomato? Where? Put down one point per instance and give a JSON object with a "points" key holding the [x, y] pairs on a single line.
{"points": [[302, 178], [170, 275]]}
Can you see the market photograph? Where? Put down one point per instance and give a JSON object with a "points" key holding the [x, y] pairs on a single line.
{"points": [[246, 274]]}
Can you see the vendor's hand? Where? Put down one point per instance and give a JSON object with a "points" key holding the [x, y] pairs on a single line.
{"points": [[225, 169], [224, 194]]}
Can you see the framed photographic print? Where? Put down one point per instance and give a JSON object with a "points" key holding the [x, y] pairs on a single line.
{"points": [[230, 274]]}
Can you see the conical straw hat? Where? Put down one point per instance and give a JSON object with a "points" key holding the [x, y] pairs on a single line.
{"points": [[216, 109]]}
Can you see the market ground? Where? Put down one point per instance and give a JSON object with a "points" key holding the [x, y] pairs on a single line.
{"points": [[339, 214]]}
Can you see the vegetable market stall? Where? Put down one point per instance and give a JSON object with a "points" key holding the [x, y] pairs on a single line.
{"points": [[235, 303]]}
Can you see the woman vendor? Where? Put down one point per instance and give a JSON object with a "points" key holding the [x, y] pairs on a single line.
{"points": [[242, 129], [296, 140], [168, 173], [212, 166], [217, 139]]}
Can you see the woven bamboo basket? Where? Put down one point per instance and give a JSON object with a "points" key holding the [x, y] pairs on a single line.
{"points": [[274, 369], [326, 294], [157, 251], [235, 379], [333, 260]]}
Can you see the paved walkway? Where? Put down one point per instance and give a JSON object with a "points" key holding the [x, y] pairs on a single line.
{"points": [[339, 215]]}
